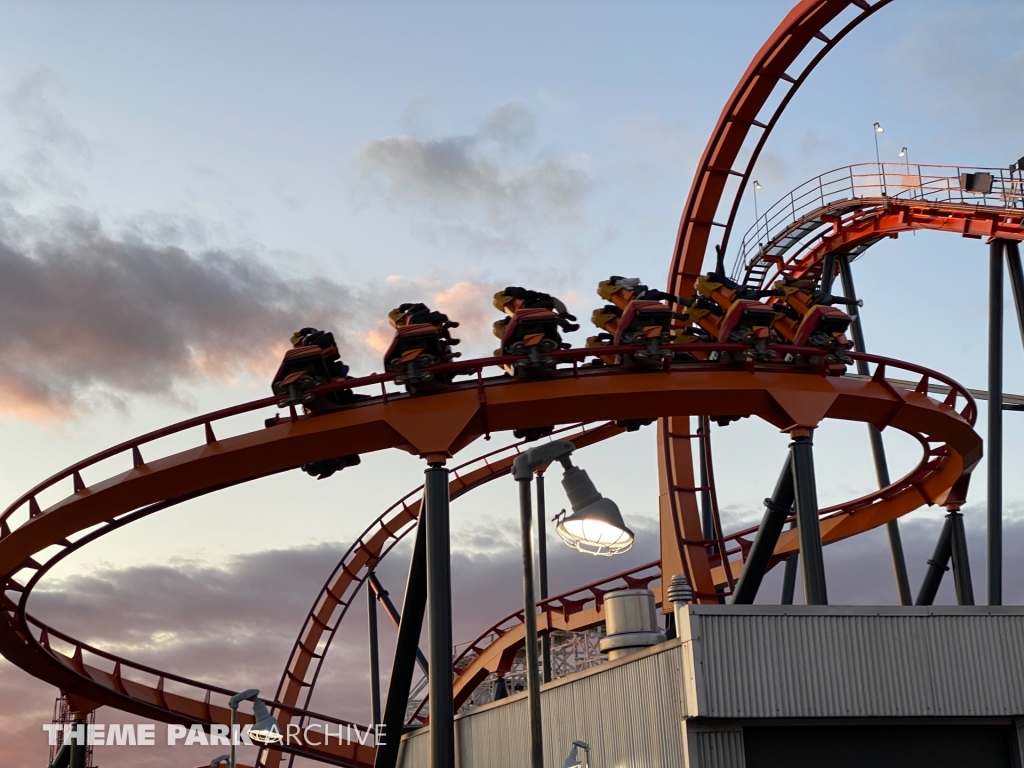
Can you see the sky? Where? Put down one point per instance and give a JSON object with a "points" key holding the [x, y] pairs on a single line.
{"points": [[182, 185]]}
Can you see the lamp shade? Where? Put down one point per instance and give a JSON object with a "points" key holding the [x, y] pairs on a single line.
{"points": [[596, 525], [266, 729]]}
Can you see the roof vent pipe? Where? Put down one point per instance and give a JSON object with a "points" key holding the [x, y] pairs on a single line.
{"points": [[631, 622]]}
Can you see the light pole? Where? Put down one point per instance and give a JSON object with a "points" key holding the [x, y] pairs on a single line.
{"points": [[573, 759], [595, 526], [264, 731], [757, 186], [878, 159]]}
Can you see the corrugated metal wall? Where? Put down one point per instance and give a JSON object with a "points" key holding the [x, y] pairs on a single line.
{"points": [[798, 661], [629, 712], [714, 747]]}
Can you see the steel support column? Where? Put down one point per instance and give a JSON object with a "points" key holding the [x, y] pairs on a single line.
{"points": [[371, 623], [707, 522], [542, 572], [1016, 281], [78, 744], [439, 618], [961, 563], [409, 629], [395, 617], [789, 575], [530, 627], [892, 527], [807, 523], [777, 509], [994, 441], [938, 565]]}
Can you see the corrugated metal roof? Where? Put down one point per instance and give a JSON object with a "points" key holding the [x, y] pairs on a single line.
{"points": [[799, 661]]}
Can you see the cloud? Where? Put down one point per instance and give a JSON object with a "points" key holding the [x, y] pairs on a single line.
{"points": [[49, 138], [87, 314], [485, 174]]}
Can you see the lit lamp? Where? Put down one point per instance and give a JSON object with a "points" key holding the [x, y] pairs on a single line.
{"points": [[573, 760], [595, 525], [264, 731]]}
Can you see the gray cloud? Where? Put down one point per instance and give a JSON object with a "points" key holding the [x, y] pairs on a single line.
{"points": [[89, 315], [485, 173]]}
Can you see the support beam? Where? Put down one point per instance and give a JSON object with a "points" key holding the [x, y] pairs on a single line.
{"points": [[371, 623], [892, 527], [961, 563], [938, 565], [807, 523], [78, 744], [789, 575], [396, 618], [828, 273], [439, 617], [777, 509], [994, 441], [707, 522], [1016, 282], [405, 649], [542, 572]]}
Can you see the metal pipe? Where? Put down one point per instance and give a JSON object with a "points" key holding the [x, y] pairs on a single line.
{"points": [[542, 572], [409, 629], [994, 442], [892, 527], [396, 618], [776, 511], [938, 565], [371, 624], [828, 273], [1016, 281], [807, 524], [530, 622], [961, 563], [439, 618], [78, 744], [789, 575], [707, 522]]}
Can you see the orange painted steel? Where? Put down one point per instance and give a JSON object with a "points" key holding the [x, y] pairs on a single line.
{"points": [[786, 395], [803, 38]]}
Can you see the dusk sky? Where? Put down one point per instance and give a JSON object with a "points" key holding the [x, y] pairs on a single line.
{"points": [[183, 185]]}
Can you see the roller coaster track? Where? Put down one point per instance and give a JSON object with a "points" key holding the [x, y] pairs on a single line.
{"points": [[849, 209], [33, 537], [807, 34]]}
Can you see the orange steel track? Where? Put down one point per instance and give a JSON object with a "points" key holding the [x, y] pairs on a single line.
{"points": [[780, 67], [436, 425]]}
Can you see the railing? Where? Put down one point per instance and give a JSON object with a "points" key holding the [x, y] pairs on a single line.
{"points": [[897, 181]]}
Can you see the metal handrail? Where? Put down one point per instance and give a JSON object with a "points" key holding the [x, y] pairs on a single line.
{"points": [[896, 181]]}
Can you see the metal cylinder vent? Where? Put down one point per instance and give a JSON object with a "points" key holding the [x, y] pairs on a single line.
{"points": [[631, 622]]}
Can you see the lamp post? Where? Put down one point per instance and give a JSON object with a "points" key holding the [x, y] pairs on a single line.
{"points": [[573, 758], [595, 526], [757, 186], [264, 731], [878, 159]]}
